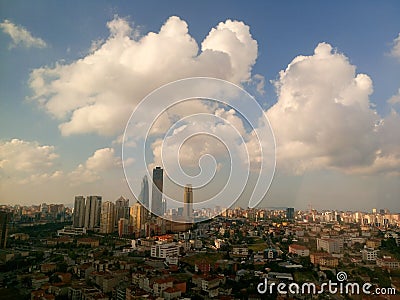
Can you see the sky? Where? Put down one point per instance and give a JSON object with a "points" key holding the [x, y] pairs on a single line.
{"points": [[325, 74]]}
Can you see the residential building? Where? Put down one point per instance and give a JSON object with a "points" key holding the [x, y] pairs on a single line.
{"points": [[107, 220], [92, 212], [240, 251], [299, 250], [388, 263], [121, 209], [369, 254], [330, 245], [164, 250], [79, 212]]}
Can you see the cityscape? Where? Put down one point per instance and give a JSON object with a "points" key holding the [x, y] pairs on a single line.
{"points": [[119, 250], [205, 150]]}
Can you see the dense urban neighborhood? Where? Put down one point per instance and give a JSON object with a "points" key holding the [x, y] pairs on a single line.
{"points": [[46, 254]]}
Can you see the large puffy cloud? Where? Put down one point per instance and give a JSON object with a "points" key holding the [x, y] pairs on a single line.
{"points": [[25, 156], [98, 92], [20, 36], [323, 117], [103, 160], [24, 161], [396, 48]]}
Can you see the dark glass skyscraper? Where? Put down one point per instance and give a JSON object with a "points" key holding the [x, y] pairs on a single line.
{"points": [[157, 192], [290, 213], [144, 193]]}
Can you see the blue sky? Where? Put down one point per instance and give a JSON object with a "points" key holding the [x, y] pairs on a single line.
{"points": [[363, 31]]}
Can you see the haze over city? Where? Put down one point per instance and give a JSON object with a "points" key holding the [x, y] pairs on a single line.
{"points": [[325, 74]]}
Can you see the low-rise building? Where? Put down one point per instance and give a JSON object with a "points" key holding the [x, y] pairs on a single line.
{"points": [[388, 263], [162, 284], [240, 251], [299, 250], [171, 293], [369, 254], [164, 250], [88, 242]]}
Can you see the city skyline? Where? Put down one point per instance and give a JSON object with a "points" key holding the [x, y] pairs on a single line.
{"points": [[325, 74]]}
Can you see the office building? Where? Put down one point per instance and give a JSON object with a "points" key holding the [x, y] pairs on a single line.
{"points": [[188, 203], [137, 218], [107, 220], [290, 213], [92, 212], [4, 219], [157, 192], [144, 193], [121, 209], [79, 212]]}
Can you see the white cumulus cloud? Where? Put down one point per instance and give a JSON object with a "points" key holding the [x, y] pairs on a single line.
{"points": [[97, 93], [20, 36], [323, 117], [26, 161], [101, 161]]}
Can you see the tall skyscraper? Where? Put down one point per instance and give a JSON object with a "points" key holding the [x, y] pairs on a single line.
{"points": [[4, 219], [157, 192], [290, 213], [188, 203], [79, 211], [144, 192], [92, 212], [137, 218], [121, 209], [107, 221]]}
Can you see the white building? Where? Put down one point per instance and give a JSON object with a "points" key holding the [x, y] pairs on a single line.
{"points": [[369, 254], [330, 245], [164, 250]]}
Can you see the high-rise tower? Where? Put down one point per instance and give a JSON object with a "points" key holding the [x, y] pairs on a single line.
{"points": [[92, 212], [121, 209], [79, 211], [137, 218], [144, 192], [107, 220], [188, 203], [157, 192]]}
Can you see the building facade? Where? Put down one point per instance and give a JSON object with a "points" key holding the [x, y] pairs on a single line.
{"points": [[107, 220], [188, 203], [157, 192], [79, 212]]}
